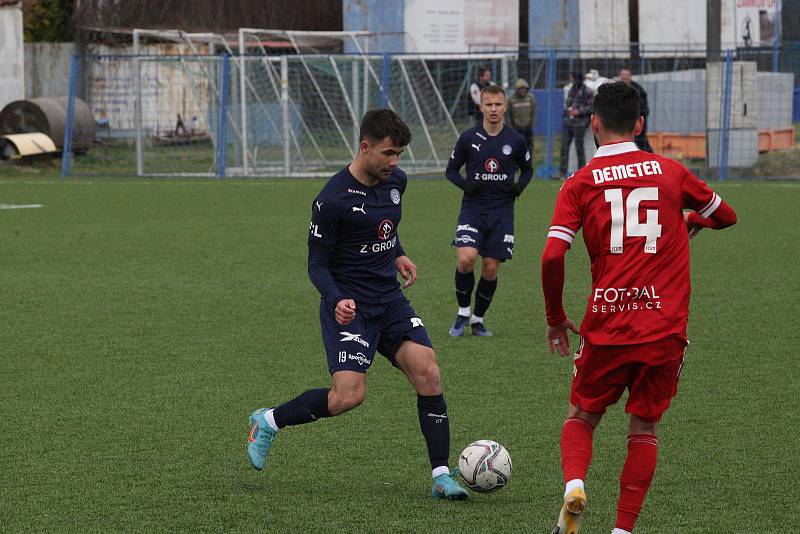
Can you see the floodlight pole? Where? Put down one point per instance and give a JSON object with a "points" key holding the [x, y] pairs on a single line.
{"points": [[713, 50], [285, 111], [243, 103], [137, 109]]}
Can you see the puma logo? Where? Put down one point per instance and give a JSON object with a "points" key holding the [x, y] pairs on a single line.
{"points": [[361, 209], [476, 147]]}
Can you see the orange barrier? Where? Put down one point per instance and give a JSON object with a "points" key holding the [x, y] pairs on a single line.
{"points": [[693, 146], [769, 140], [678, 146]]}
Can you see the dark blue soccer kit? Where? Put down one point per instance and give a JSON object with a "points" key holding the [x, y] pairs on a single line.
{"points": [[486, 221], [352, 248]]}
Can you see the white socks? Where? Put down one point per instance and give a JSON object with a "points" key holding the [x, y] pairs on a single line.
{"points": [[475, 319], [271, 419], [572, 484], [619, 531], [441, 470], [464, 312]]}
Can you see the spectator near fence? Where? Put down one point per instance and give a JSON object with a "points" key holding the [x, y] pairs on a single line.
{"points": [[484, 80], [522, 111], [641, 139], [577, 110]]}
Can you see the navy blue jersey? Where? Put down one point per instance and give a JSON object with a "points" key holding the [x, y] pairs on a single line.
{"points": [[353, 234], [493, 161]]}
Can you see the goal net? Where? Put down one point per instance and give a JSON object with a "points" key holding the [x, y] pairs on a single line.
{"points": [[304, 93]]}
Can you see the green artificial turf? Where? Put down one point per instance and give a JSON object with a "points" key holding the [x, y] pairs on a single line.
{"points": [[141, 321]]}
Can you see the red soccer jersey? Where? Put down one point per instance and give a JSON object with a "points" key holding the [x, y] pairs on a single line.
{"points": [[629, 204]]}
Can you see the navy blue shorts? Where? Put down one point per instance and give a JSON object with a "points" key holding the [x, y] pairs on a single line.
{"points": [[492, 235], [376, 327]]}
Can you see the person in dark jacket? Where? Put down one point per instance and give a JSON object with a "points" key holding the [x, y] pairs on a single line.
{"points": [[484, 80], [641, 139], [577, 110]]}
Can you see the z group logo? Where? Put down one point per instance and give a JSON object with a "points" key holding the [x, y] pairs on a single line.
{"points": [[385, 228], [491, 165]]}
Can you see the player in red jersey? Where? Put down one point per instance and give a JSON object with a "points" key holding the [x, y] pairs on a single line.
{"points": [[630, 205]]}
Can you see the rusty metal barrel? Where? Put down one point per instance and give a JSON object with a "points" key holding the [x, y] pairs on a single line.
{"points": [[48, 115]]}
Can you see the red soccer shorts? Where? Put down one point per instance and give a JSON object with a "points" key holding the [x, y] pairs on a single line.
{"points": [[650, 371]]}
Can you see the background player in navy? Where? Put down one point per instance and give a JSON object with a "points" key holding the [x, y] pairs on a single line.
{"points": [[354, 254], [492, 153]]}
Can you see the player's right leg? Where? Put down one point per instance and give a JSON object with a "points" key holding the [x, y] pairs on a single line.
{"points": [[576, 455], [467, 240], [350, 350], [597, 383], [348, 391]]}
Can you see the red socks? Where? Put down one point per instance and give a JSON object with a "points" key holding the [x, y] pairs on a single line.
{"points": [[640, 464], [576, 448]]}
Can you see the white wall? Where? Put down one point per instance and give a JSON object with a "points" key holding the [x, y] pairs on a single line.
{"points": [[682, 23], [671, 24], [604, 23], [12, 66], [461, 25], [47, 69]]}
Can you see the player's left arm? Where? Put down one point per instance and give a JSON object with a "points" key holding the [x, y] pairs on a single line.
{"points": [[708, 208], [524, 160], [404, 265]]}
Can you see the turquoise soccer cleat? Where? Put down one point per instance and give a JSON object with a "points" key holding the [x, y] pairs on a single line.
{"points": [[260, 439], [446, 487]]}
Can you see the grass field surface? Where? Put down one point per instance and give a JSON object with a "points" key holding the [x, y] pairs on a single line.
{"points": [[142, 321]]}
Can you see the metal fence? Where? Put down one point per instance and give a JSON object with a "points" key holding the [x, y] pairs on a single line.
{"points": [[258, 115]]}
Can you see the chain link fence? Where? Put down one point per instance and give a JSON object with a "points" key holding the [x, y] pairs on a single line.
{"points": [[724, 114]]}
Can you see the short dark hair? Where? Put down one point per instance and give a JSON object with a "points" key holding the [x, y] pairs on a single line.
{"points": [[492, 90], [618, 106], [378, 124]]}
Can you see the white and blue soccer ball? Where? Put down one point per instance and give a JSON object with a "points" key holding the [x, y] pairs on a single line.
{"points": [[485, 466]]}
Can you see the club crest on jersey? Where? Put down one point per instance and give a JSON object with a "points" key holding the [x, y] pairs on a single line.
{"points": [[395, 196], [491, 165], [385, 228], [507, 149]]}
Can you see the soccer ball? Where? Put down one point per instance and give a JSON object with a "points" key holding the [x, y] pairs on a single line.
{"points": [[485, 466]]}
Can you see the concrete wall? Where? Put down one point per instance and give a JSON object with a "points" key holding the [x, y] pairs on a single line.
{"points": [[169, 87], [678, 100], [12, 68], [604, 24], [47, 69], [775, 100]]}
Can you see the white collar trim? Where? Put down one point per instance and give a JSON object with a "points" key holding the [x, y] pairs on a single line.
{"points": [[615, 149]]}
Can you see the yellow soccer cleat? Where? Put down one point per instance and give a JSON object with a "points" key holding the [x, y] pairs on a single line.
{"points": [[570, 516]]}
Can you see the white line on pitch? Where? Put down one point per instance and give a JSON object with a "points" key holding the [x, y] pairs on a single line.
{"points": [[20, 206]]}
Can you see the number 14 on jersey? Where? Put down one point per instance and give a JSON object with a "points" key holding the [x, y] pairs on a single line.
{"points": [[625, 218]]}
